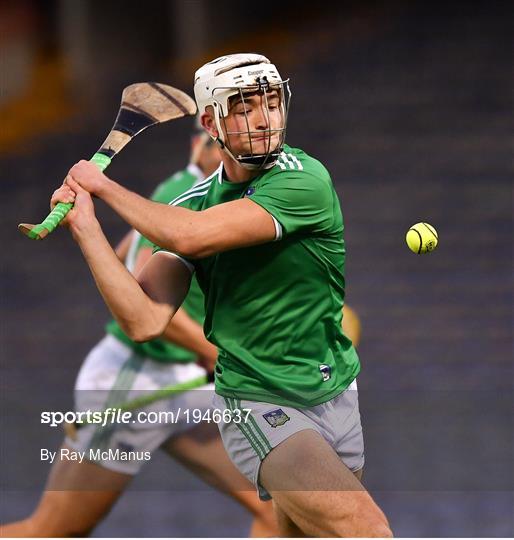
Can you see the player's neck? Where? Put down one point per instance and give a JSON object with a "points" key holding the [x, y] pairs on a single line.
{"points": [[235, 172]]}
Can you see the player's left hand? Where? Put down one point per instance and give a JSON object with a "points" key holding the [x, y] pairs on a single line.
{"points": [[88, 176], [81, 218]]}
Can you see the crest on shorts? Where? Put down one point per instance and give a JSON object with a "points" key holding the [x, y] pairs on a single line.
{"points": [[326, 372], [276, 418]]}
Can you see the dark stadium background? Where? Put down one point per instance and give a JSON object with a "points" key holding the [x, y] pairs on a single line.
{"points": [[409, 104]]}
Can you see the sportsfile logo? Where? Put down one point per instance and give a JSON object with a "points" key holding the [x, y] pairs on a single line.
{"points": [[111, 415], [116, 415]]}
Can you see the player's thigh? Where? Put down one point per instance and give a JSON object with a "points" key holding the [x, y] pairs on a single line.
{"points": [[314, 488], [77, 496], [306, 462]]}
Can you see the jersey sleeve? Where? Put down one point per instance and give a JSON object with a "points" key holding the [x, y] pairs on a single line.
{"points": [[298, 200]]}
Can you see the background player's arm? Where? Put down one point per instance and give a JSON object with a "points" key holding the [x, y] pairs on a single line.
{"points": [[187, 333], [226, 226], [182, 329], [123, 246]]}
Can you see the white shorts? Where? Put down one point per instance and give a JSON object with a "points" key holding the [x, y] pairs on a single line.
{"points": [[112, 374], [249, 441]]}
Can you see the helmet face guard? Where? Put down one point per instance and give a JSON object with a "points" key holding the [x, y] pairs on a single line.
{"points": [[239, 76], [255, 160]]}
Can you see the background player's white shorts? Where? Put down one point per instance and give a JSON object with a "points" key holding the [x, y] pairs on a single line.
{"points": [[249, 442], [112, 374]]}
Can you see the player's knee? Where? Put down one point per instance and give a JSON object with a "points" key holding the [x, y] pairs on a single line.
{"points": [[378, 528], [383, 531], [376, 525], [361, 528], [365, 520]]}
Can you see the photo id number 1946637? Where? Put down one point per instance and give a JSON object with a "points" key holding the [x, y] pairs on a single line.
{"points": [[226, 416]]}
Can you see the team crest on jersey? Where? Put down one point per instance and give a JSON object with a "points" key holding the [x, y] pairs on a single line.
{"points": [[249, 192], [276, 418], [326, 372]]}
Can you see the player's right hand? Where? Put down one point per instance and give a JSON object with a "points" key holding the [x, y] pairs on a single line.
{"points": [[88, 176]]}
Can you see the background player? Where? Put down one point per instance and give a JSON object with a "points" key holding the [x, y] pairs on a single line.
{"points": [[79, 495]]}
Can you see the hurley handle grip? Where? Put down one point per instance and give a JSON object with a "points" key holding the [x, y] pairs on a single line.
{"points": [[43, 229]]}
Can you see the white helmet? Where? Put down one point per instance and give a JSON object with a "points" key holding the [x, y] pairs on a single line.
{"points": [[240, 74]]}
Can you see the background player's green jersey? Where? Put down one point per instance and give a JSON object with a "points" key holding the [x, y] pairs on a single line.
{"points": [[275, 310], [160, 349]]}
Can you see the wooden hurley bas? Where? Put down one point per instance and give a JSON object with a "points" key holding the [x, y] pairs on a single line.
{"points": [[142, 105]]}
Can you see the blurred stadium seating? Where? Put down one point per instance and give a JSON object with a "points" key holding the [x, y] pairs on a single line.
{"points": [[409, 104]]}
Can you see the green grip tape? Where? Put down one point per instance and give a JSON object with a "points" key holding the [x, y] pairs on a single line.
{"points": [[101, 160], [55, 217]]}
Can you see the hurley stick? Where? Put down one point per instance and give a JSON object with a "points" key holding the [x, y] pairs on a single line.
{"points": [[144, 400], [142, 105]]}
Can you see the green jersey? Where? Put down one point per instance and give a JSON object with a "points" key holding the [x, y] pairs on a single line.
{"points": [[274, 310], [160, 349]]}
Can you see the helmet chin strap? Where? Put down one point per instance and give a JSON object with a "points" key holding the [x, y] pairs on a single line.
{"points": [[250, 161], [259, 161]]}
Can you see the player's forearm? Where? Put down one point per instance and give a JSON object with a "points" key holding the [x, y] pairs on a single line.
{"points": [[138, 315], [169, 227], [231, 225]]}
